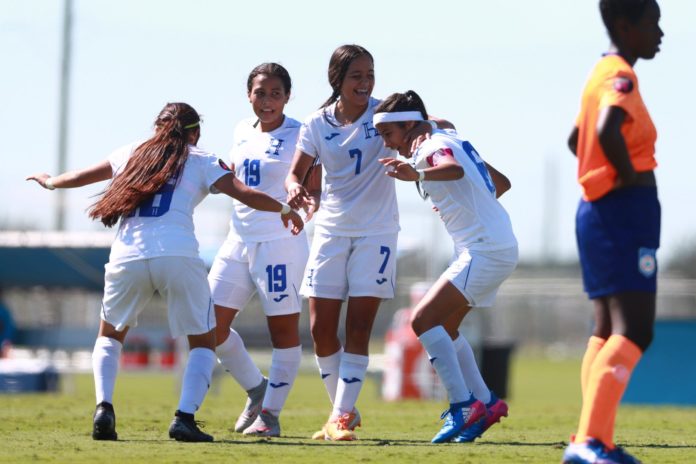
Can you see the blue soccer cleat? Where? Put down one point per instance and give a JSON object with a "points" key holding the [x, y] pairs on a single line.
{"points": [[459, 416], [594, 451], [495, 410]]}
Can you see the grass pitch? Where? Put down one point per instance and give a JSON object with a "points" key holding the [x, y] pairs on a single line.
{"points": [[544, 406]]}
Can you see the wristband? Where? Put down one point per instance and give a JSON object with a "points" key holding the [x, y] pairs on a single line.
{"points": [[48, 184], [294, 185], [421, 175], [285, 209]]}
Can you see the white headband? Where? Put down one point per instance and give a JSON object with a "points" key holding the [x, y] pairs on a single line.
{"points": [[397, 116]]}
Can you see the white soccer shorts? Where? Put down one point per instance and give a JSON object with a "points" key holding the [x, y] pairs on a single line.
{"points": [[341, 267], [479, 274], [181, 281], [273, 268]]}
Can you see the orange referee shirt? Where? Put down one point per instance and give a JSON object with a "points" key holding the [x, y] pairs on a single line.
{"points": [[612, 83]]}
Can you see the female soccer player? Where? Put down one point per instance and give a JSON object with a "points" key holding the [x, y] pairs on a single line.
{"points": [[617, 223], [155, 187], [354, 247], [261, 256], [463, 189]]}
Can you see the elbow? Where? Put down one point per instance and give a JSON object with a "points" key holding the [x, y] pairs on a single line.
{"points": [[458, 172]]}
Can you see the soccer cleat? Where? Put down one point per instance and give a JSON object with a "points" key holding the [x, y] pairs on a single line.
{"points": [[495, 410], [337, 428], [185, 428], [619, 456], [356, 421], [265, 425], [459, 416], [594, 451], [252, 408], [104, 422]]}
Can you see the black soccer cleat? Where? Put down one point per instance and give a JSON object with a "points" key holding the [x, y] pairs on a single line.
{"points": [[185, 428], [104, 422]]}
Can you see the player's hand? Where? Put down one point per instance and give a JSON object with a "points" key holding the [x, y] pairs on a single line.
{"points": [[40, 179], [310, 207], [294, 220], [400, 169], [297, 196]]}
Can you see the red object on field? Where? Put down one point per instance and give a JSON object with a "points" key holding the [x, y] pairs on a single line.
{"points": [[407, 369]]}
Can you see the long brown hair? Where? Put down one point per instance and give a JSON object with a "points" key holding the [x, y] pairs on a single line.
{"points": [[152, 164]]}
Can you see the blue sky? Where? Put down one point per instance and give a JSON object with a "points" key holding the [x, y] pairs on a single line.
{"points": [[508, 74]]}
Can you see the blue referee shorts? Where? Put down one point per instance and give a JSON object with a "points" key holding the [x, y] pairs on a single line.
{"points": [[618, 236]]}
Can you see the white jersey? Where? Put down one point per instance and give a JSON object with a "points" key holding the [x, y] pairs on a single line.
{"points": [[472, 215], [163, 225], [357, 199], [262, 161]]}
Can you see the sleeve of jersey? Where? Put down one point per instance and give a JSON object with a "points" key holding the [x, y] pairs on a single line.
{"points": [[436, 157], [620, 90], [306, 140], [213, 169], [119, 157]]}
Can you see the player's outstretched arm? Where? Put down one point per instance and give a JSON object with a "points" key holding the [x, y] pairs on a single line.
{"points": [[230, 185], [312, 184], [71, 179]]}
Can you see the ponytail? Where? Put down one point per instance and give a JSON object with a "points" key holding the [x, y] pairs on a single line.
{"points": [[152, 164]]}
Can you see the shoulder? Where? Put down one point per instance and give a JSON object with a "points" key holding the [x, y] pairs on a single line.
{"points": [[291, 123]]}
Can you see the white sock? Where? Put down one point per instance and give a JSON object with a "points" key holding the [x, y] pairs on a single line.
{"points": [[105, 357], [470, 371], [443, 357], [284, 366], [234, 357], [352, 376], [196, 382], [328, 368]]}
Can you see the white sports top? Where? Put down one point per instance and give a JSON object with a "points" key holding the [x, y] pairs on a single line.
{"points": [[163, 226], [472, 215], [262, 160], [357, 199]]}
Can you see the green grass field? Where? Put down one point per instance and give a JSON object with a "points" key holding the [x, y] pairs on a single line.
{"points": [[544, 405]]}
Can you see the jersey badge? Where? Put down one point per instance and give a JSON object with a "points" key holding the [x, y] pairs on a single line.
{"points": [[623, 84], [647, 264], [224, 166]]}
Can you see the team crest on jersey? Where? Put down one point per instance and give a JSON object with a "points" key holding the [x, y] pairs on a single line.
{"points": [[623, 85], [647, 264], [224, 165]]}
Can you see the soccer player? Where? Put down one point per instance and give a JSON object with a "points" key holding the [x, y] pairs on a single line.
{"points": [[464, 190], [354, 246], [155, 187], [261, 256], [617, 223]]}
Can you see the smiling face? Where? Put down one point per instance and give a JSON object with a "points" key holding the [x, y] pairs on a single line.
{"points": [[358, 82], [394, 136], [268, 98]]}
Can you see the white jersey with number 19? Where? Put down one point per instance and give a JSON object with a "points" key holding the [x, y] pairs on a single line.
{"points": [[261, 161]]}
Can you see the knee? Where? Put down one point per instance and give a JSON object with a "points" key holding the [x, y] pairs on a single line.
{"points": [[421, 323], [321, 334]]}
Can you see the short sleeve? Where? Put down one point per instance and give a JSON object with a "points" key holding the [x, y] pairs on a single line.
{"points": [[213, 169], [620, 90], [306, 141], [119, 157]]}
